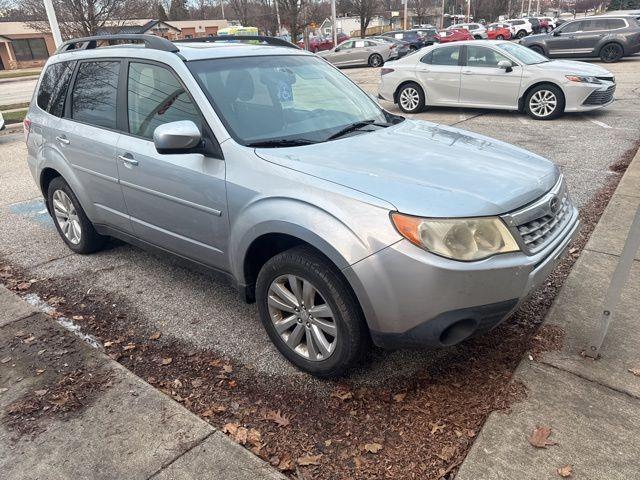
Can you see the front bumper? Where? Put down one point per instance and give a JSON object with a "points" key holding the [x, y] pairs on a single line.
{"points": [[412, 298], [579, 96]]}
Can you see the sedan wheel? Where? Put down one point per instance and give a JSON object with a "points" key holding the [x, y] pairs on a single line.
{"points": [[544, 102], [375, 60], [411, 98], [500, 37], [521, 34], [67, 217], [302, 317]]}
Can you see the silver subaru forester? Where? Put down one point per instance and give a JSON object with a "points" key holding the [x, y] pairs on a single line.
{"points": [[346, 223]]}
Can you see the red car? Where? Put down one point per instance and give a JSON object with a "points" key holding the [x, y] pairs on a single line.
{"points": [[316, 44], [544, 25], [454, 35], [495, 32]]}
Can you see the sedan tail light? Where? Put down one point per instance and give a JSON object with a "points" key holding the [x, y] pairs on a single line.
{"points": [[26, 125], [391, 47], [384, 70]]}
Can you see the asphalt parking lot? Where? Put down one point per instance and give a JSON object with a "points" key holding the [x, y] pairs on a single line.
{"points": [[207, 314]]}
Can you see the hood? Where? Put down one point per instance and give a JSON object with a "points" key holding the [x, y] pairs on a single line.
{"points": [[573, 67], [427, 169]]}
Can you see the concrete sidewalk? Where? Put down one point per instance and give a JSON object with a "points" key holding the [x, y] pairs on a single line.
{"points": [[592, 407], [68, 411]]}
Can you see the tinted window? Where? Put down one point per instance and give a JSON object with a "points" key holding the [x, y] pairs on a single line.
{"points": [[445, 56], [155, 97], [53, 88], [613, 23], [572, 27], [483, 57], [517, 22], [93, 99], [427, 58]]}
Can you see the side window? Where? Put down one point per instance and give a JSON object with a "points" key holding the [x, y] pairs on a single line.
{"points": [[53, 88], [346, 46], [155, 97], [573, 27], [483, 57], [427, 58], [613, 23], [93, 99], [446, 56]]}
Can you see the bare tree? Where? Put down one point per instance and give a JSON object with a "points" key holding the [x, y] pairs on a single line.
{"points": [[291, 15], [422, 8], [365, 9], [81, 18], [241, 10]]}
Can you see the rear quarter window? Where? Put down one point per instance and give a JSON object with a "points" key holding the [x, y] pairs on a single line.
{"points": [[54, 86], [93, 99]]}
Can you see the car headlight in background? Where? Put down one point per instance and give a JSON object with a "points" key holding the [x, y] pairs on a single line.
{"points": [[582, 79], [459, 238]]}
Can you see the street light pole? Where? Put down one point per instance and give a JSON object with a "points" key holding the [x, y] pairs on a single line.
{"points": [[278, 17], [53, 22], [442, 17], [334, 23], [406, 4], [222, 8]]}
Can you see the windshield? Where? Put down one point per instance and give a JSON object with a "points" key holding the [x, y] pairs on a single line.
{"points": [[284, 98], [523, 54]]}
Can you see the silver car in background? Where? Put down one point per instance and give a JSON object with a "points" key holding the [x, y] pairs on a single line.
{"points": [[497, 75], [359, 52]]}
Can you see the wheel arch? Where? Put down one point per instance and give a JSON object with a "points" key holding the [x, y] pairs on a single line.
{"points": [[534, 85]]}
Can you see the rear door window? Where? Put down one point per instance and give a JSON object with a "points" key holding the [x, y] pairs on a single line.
{"points": [[446, 56], [93, 99], [614, 23], [53, 87]]}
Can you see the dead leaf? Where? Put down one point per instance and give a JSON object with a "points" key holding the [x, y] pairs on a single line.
{"points": [[77, 317], [399, 397], [540, 437], [357, 461], [155, 336], [565, 471], [227, 368], [254, 437], [635, 371], [447, 453], [372, 447], [214, 410], [23, 286], [342, 394], [40, 371], [167, 361], [241, 435], [309, 460], [230, 428], [278, 418], [437, 428], [128, 347], [197, 382], [232, 384], [286, 463], [41, 393]]}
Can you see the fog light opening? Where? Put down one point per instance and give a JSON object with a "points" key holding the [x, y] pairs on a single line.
{"points": [[458, 331]]}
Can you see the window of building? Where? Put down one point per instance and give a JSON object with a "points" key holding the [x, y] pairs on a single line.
{"points": [[27, 49]]}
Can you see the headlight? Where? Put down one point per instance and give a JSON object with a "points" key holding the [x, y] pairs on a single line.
{"points": [[582, 79], [459, 238]]}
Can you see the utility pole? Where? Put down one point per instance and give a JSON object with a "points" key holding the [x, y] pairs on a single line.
{"points": [[278, 17], [406, 4], [538, 7], [53, 22], [522, 8], [442, 18], [222, 8], [529, 9], [334, 23], [468, 10]]}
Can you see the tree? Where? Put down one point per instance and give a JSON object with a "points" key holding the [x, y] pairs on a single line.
{"points": [[241, 10], [365, 9], [290, 13], [161, 13], [624, 5], [421, 8], [83, 18], [178, 10]]}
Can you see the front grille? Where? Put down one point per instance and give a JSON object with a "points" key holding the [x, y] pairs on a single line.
{"points": [[607, 79], [600, 97], [538, 224]]}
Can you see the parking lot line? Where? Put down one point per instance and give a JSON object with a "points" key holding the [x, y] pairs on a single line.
{"points": [[522, 120], [599, 123]]}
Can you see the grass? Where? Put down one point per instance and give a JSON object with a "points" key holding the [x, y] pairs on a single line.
{"points": [[14, 117], [18, 73], [14, 106]]}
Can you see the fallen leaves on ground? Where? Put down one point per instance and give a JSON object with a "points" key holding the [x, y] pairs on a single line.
{"points": [[342, 394], [372, 447], [167, 361], [309, 460], [447, 453], [155, 336], [635, 371], [399, 397], [278, 418], [540, 437], [565, 471]]}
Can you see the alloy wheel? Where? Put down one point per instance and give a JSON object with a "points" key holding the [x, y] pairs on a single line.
{"points": [[409, 98], [67, 217], [610, 53], [302, 317], [543, 103], [375, 61]]}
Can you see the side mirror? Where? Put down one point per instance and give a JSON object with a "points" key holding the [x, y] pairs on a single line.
{"points": [[177, 137], [337, 49], [505, 65]]}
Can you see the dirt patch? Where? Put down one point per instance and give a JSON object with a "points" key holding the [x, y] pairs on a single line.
{"points": [[549, 338], [420, 426]]}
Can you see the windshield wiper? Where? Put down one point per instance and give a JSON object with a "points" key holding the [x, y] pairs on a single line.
{"points": [[283, 142], [355, 126]]}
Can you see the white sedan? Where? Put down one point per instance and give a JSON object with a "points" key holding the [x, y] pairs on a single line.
{"points": [[496, 75]]}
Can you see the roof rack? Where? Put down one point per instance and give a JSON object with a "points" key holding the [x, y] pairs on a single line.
{"points": [[87, 43], [279, 42]]}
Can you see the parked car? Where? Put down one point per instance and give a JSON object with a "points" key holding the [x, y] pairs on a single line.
{"points": [[429, 35], [415, 41], [320, 43], [522, 27], [550, 24], [361, 52], [422, 26], [454, 35], [345, 223], [401, 47], [608, 37], [478, 31], [498, 31], [496, 75], [536, 26]]}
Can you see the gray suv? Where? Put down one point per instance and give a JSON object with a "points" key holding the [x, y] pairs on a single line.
{"points": [[347, 224], [608, 37]]}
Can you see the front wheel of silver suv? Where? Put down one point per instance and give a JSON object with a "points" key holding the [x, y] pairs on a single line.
{"points": [[309, 312], [70, 220]]}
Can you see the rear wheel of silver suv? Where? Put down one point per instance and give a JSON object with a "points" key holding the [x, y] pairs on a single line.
{"points": [[71, 222], [309, 312]]}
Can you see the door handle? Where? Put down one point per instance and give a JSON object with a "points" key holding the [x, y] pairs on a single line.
{"points": [[467, 72], [128, 160], [63, 140]]}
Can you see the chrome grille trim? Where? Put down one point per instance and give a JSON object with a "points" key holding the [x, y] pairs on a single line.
{"points": [[537, 225]]}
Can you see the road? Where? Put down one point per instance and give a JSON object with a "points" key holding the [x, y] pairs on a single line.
{"points": [[204, 313]]}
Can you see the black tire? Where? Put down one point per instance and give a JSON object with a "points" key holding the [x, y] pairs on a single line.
{"points": [[412, 48], [537, 49], [544, 91], [500, 37], [89, 240], [375, 60], [521, 34], [611, 52], [352, 337], [477, 37], [411, 90]]}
